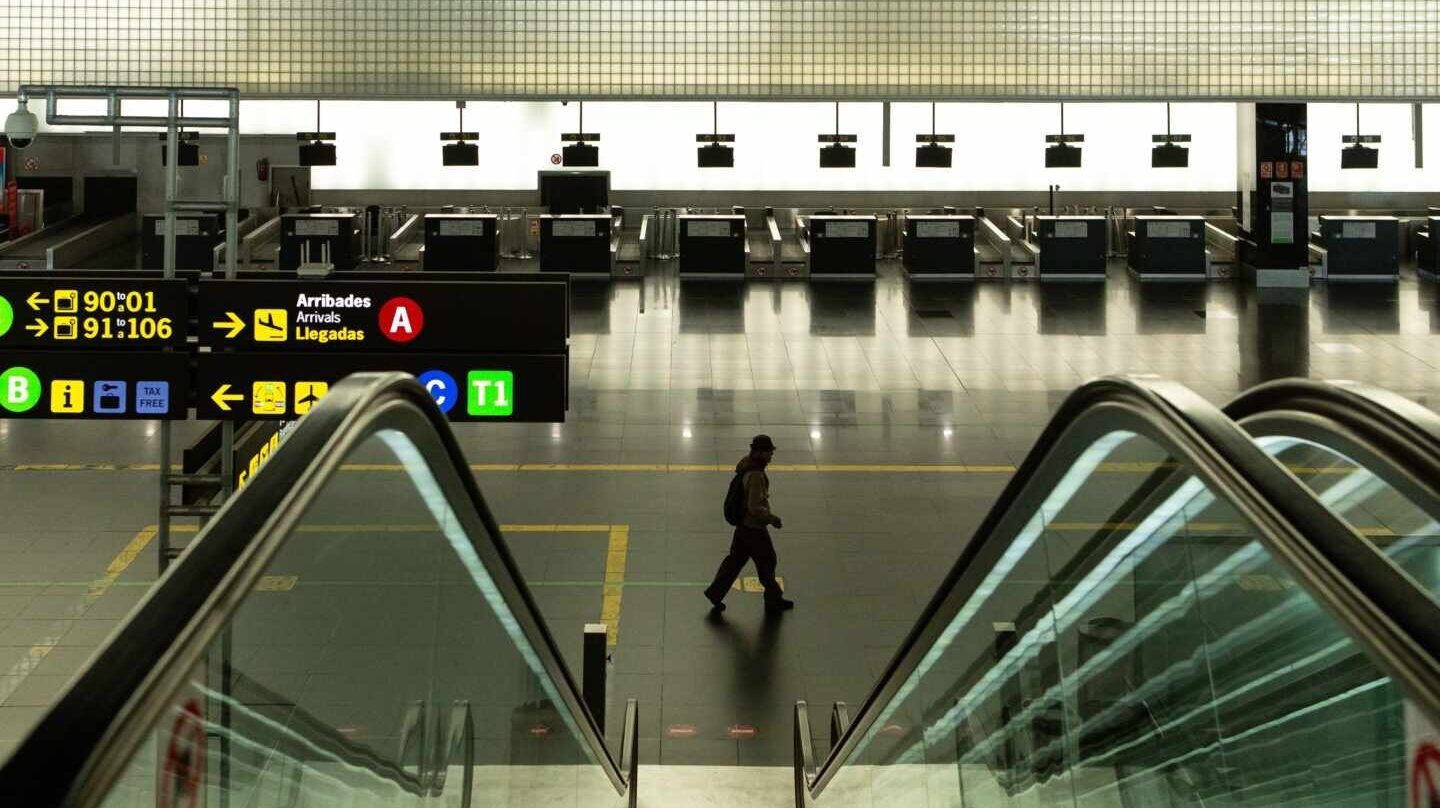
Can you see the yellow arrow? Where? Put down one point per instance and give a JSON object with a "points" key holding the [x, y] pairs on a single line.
{"points": [[233, 322], [223, 396], [38, 328], [36, 301]]}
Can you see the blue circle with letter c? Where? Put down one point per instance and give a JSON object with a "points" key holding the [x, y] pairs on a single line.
{"points": [[442, 387]]}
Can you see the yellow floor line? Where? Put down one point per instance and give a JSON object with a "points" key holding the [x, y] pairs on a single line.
{"points": [[97, 589], [615, 556]]}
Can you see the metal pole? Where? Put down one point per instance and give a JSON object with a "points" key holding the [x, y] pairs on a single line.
{"points": [[885, 135]]}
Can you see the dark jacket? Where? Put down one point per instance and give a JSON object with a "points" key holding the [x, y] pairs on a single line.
{"points": [[757, 495]]}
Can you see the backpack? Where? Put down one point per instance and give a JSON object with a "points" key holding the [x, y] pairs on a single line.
{"points": [[735, 499]]}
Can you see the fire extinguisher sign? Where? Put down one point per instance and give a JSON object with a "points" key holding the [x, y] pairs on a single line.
{"points": [[182, 771]]}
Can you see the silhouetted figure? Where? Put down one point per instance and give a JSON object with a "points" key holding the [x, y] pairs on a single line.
{"points": [[752, 535]]}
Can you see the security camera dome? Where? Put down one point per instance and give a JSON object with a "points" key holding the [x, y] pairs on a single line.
{"points": [[21, 126]]}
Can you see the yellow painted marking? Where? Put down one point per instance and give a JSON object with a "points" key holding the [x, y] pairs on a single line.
{"points": [[96, 590], [276, 583], [615, 557], [751, 584]]}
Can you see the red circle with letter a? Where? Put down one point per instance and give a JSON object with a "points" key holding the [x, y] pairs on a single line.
{"points": [[401, 319]]}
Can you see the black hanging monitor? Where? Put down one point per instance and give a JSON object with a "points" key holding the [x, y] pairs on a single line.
{"points": [[317, 150], [566, 192], [930, 154], [836, 154], [580, 151], [1357, 154], [186, 147], [715, 153], [1168, 153], [458, 150]]}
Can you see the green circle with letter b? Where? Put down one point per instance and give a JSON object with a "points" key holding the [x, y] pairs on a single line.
{"points": [[19, 389], [7, 316]]}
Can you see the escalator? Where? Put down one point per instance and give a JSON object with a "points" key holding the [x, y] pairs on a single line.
{"points": [[1219, 630], [410, 665], [1168, 605]]}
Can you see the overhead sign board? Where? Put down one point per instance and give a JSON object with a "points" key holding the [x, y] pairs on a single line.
{"points": [[97, 385], [466, 387], [49, 312], [419, 316]]}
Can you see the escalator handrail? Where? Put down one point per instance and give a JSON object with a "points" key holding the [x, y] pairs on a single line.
{"points": [[1400, 429], [1295, 526], [1403, 434], [91, 730]]}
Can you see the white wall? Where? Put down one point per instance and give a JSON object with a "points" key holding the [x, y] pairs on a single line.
{"points": [[649, 145], [1397, 172]]}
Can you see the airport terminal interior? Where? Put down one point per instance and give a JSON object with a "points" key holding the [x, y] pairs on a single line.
{"points": [[382, 384]]}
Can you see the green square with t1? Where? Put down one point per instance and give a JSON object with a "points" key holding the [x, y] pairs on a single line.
{"points": [[490, 393]]}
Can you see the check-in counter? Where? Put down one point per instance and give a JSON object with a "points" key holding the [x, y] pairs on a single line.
{"points": [[319, 238], [1071, 247], [1168, 248], [579, 244], [939, 247], [713, 246], [196, 236], [461, 242], [1427, 252], [1360, 247], [841, 246]]}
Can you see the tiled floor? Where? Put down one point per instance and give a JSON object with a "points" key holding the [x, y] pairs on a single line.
{"points": [[842, 374]]}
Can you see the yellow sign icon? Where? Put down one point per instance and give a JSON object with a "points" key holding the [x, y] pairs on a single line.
{"points": [[268, 398], [67, 327], [308, 394], [67, 301], [67, 395], [271, 325]]}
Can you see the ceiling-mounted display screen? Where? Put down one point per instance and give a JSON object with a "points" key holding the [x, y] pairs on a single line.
{"points": [[891, 50]]}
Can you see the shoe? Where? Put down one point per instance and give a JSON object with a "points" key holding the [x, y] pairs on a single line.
{"points": [[716, 605], [780, 606]]}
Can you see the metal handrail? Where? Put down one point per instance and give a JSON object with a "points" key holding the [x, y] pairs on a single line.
{"points": [[91, 732], [1321, 550]]}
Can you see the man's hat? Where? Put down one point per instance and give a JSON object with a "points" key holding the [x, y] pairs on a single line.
{"points": [[762, 443]]}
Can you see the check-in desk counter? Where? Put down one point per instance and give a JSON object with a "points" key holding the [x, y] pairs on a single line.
{"points": [[1360, 247], [196, 237], [713, 246], [579, 244], [319, 238], [461, 242], [841, 246], [1169, 248], [1071, 247], [1427, 251], [939, 247]]}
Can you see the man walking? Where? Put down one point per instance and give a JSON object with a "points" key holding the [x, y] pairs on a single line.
{"points": [[747, 506]]}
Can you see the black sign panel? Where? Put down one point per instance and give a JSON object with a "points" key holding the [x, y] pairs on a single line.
{"points": [[839, 139], [1064, 138], [50, 312], [580, 137], [1359, 138], [466, 387], [714, 138], [402, 316], [1169, 138], [934, 138], [460, 136], [94, 385]]}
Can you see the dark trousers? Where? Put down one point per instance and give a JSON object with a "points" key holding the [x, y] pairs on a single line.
{"points": [[749, 543]]}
